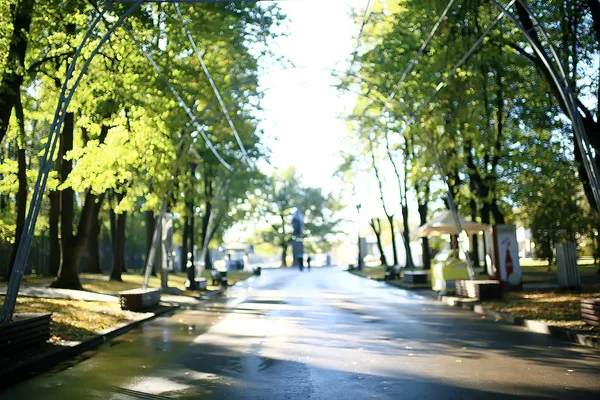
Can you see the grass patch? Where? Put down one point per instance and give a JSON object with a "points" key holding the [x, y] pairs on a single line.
{"points": [[377, 272], [101, 283], [77, 320], [552, 307]]}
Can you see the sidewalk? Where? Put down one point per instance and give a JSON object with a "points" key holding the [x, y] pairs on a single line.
{"points": [[541, 307], [71, 304], [22, 365]]}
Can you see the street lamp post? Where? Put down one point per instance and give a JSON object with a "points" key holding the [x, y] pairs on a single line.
{"points": [[360, 263]]}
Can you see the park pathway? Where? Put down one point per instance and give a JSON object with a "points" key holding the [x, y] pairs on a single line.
{"points": [[323, 334]]}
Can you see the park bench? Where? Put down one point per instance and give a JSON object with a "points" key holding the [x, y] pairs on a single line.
{"points": [[414, 277], [590, 311], [25, 330], [481, 290], [139, 299]]}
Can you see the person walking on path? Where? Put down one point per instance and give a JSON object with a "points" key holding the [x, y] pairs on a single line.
{"points": [[308, 260]]}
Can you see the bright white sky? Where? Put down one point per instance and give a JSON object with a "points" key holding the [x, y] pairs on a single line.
{"points": [[303, 112], [302, 108], [302, 119]]}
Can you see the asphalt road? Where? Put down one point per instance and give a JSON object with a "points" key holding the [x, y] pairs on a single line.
{"points": [[323, 334]]}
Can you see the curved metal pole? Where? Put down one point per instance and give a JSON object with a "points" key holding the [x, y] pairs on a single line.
{"points": [[61, 110], [149, 264], [213, 86], [182, 103], [45, 164], [566, 93], [410, 120]]}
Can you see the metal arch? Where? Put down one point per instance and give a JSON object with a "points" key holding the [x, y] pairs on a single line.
{"points": [[182, 103], [566, 93], [213, 86], [439, 165], [197, 1], [46, 161], [149, 264], [414, 60]]}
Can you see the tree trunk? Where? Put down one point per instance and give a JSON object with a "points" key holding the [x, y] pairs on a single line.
{"points": [[150, 226], [191, 268], [71, 245], [376, 226], [12, 79], [93, 249], [475, 237], [21, 205], [406, 238], [22, 180], [284, 250], [54, 236], [114, 237], [495, 210], [68, 276], [205, 220], [207, 260], [390, 219], [484, 213], [425, 240], [118, 262], [184, 243], [404, 202]]}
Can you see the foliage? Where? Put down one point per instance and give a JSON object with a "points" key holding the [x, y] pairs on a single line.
{"points": [[558, 309], [133, 142], [494, 129], [77, 320], [276, 203]]}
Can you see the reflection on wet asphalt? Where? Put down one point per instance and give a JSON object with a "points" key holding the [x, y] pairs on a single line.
{"points": [[323, 334]]}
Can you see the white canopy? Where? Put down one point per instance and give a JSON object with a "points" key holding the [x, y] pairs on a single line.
{"points": [[444, 223]]}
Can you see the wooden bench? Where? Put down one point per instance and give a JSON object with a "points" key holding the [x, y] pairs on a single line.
{"points": [[590, 311], [139, 299], [414, 277], [26, 330], [481, 290]]}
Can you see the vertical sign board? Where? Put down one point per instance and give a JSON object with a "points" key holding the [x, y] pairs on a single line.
{"points": [[503, 254]]}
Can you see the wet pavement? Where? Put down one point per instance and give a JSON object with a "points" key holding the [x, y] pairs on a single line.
{"points": [[323, 334]]}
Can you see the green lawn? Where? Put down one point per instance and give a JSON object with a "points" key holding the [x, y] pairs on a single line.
{"points": [[376, 272], [101, 284], [554, 307], [76, 320], [371, 272]]}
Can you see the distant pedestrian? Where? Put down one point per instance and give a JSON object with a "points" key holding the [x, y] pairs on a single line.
{"points": [[308, 260]]}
